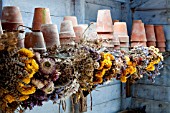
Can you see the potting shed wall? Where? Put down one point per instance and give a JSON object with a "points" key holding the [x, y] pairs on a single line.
{"points": [[110, 98], [107, 98]]}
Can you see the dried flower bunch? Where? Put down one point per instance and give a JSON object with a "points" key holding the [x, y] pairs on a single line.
{"points": [[29, 78]]}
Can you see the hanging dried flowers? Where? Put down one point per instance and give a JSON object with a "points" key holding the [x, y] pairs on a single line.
{"points": [[29, 78]]}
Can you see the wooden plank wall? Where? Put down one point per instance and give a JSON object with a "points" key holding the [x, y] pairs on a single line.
{"points": [[106, 98], [155, 96]]}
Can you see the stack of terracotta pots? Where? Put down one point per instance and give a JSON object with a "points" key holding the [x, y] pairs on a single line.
{"points": [[50, 33], [41, 16], [79, 31], [11, 18], [121, 35], [160, 38], [138, 36], [150, 35], [11, 21], [67, 34], [104, 28]]}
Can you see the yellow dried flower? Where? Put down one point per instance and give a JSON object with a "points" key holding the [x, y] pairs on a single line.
{"points": [[22, 98], [35, 65], [123, 79], [9, 98], [156, 61], [26, 80], [26, 90], [100, 73], [26, 52], [150, 67]]}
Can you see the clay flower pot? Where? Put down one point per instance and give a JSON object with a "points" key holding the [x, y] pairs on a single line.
{"points": [[67, 42], [160, 44], [115, 21], [38, 43], [137, 21], [104, 21], [123, 38], [11, 18], [150, 33], [66, 29], [50, 33], [116, 40], [108, 45], [151, 43], [117, 47], [138, 32], [73, 19], [138, 44], [120, 28], [105, 36], [41, 16], [28, 40], [159, 32], [161, 49], [124, 44], [79, 30]]}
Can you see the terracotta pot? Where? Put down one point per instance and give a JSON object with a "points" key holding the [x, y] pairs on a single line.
{"points": [[120, 28], [104, 21], [116, 40], [138, 32], [67, 42], [150, 33], [50, 33], [117, 47], [38, 43], [160, 44], [137, 21], [66, 29], [159, 32], [11, 18], [161, 49], [124, 44], [123, 38], [115, 21], [73, 19], [21, 37], [41, 16], [106, 36], [28, 40], [106, 44], [151, 43], [79, 30], [138, 44]]}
